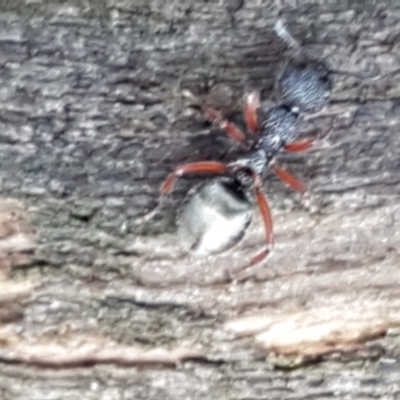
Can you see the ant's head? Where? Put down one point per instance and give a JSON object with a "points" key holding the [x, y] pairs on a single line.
{"points": [[306, 85]]}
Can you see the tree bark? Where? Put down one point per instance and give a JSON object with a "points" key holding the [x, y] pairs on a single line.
{"points": [[98, 301]]}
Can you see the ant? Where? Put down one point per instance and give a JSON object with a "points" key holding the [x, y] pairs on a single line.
{"points": [[305, 86]]}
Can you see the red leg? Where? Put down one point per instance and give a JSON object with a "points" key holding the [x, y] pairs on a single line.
{"points": [[267, 219], [252, 104], [288, 178], [302, 145], [231, 129], [192, 168]]}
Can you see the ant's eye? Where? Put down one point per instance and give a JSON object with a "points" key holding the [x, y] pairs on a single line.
{"points": [[324, 79]]}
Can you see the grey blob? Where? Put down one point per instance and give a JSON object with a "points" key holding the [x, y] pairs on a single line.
{"points": [[215, 217]]}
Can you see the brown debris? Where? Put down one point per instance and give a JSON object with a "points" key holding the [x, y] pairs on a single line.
{"points": [[17, 240], [317, 331], [11, 290], [79, 350], [17, 243]]}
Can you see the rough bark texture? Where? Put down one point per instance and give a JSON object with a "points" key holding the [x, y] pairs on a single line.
{"points": [[98, 303]]}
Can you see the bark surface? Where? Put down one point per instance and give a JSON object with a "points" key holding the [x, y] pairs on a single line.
{"points": [[97, 302]]}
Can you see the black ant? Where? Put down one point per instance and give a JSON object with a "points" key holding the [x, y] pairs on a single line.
{"points": [[304, 86]]}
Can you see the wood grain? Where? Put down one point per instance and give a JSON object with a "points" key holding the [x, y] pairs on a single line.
{"points": [[97, 106]]}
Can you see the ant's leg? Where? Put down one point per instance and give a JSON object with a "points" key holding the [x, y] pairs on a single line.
{"points": [[304, 144], [252, 104], [263, 206], [288, 178], [231, 129], [192, 168], [301, 145]]}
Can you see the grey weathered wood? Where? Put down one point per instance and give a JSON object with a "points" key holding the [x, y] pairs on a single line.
{"points": [[93, 115]]}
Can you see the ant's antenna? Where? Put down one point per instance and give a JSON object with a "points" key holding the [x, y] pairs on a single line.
{"points": [[281, 30], [284, 34]]}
